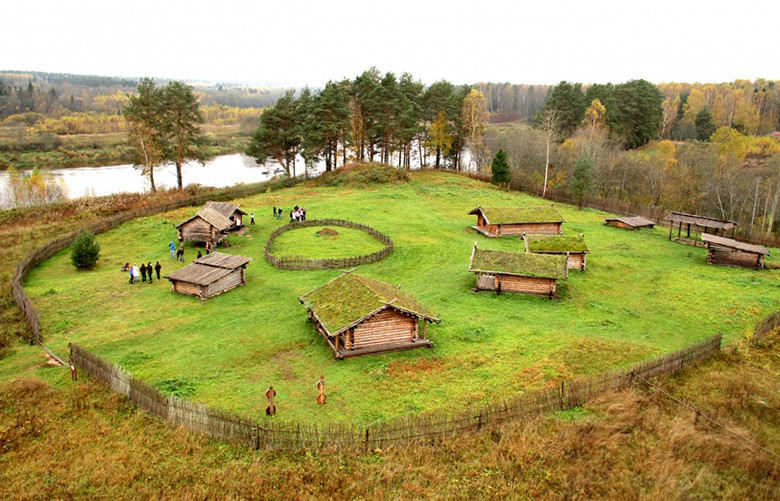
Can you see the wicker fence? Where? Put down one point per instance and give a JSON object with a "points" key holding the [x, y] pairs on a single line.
{"points": [[301, 263], [52, 247], [429, 427]]}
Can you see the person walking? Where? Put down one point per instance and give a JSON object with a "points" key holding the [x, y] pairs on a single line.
{"points": [[252, 216], [130, 270], [149, 271], [274, 211], [181, 249], [208, 248], [135, 273], [279, 213], [172, 247], [157, 268], [143, 272]]}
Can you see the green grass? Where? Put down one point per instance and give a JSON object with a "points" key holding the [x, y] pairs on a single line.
{"points": [[641, 296], [308, 243]]}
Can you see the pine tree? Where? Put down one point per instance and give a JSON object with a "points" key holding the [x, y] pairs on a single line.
{"points": [[582, 179], [705, 128], [500, 168], [85, 251]]}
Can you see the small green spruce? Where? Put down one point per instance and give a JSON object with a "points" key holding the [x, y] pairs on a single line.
{"points": [[500, 168], [85, 251], [582, 179]]}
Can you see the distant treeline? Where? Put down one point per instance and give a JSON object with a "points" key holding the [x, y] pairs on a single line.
{"points": [[57, 94]]}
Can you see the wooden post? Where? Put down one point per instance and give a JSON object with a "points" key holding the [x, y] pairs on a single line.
{"points": [[671, 225], [425, 325]]}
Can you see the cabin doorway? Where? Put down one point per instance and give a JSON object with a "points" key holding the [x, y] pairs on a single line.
{"points": [[486, 282]]}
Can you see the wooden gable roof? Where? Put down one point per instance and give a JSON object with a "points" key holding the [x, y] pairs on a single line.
{"points": [[519, 215], [703, 221], [209, 268], [522, 264], [734, 244], [212, 217], [350, 299], [635, 221], [227, 209]]}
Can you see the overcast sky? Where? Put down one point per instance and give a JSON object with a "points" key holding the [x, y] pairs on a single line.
{"points": [[302, 42]]}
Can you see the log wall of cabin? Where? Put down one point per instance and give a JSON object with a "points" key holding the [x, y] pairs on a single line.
{"points": [[197, 230], [620, 224], [731, 257], [526, 285], [185, 288], [520, 228], [576, 262], [387, 327], [225, 283]]}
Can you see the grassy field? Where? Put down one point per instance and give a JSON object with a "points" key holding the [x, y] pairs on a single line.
{"points": [[311, 244], [640, 296]]}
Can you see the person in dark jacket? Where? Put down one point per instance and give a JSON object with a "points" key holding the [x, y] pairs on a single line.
{"points": [[149, 271], [157, 268], [143, 272]]}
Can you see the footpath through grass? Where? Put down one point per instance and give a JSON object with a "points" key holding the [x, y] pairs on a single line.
{"points": [[640, 296]]}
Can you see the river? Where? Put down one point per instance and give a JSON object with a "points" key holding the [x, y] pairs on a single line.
{"points": [[220, 171]]}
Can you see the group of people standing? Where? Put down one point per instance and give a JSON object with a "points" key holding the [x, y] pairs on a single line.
{"points": [[144, 271], [296, 214]]}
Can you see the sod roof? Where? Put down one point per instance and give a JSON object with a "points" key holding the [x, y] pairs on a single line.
{"points": [[348, 299], [509, 215], [557, 243], [519, 263]]}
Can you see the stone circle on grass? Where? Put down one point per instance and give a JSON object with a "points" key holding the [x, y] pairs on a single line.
{"points": [[302, 263]]}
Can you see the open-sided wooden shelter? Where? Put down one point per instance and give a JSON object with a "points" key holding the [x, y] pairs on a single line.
{"points": [[210, 275], [502, 221], [571, 246], [358, 315], [699, 225], [630, 223], [729, 252], [212, 223], [523, 272]]}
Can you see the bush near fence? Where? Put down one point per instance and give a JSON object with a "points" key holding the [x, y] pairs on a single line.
{"points": [[427, 427], [300, 263], [56, 245]]}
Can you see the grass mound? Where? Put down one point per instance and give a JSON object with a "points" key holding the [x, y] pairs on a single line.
{"points": [[327, 232], [361, 174]]}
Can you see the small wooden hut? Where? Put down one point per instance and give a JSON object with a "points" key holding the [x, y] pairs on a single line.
{"points": [[502, 221], [212, 223], [573, 247], [729, 252], [699, 225], [210, 275], [629, 223], [358, 315], [521, 272]]}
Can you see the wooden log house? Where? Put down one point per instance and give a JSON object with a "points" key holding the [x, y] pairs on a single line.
{"points": [[212, 223], [729, 252], [358, 315], [210, 275], [699, 225], [503, 221], [572, 246], [629, 223], [521, 272]]}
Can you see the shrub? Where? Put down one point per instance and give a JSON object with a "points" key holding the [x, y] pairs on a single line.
{"points": [[363, 175], [85, 252]]}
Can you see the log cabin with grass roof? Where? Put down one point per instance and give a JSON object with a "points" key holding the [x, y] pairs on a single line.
{"points": [[358, 315], [571, 246], [521, 272], [507, 221], [210, 275], [729, 252], [629, 223], [212, 223]]}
